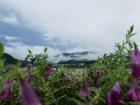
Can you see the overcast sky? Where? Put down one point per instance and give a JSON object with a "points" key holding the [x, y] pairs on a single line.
{"points": [[66, 25]]}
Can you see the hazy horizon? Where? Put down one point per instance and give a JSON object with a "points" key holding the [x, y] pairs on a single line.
{"points": [[66, 26]]}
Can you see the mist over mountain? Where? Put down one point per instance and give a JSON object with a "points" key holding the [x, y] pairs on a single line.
{"points": [[73, 57], [64, 58], [77, 54]]}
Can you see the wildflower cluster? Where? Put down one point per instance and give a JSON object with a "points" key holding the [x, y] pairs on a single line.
{"points": [[112, 80]]}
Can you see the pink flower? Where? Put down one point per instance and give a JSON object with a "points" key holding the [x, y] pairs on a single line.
{"points": [[48, 70], [6, 93]]}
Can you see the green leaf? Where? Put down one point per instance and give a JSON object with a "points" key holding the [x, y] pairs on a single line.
{"points": [[45, 49], [131, 28], [1, 49], [79, 102], [1, 89], [30, 52]]}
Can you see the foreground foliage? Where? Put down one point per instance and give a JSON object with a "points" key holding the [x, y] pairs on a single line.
{"points": [[112, 80]]}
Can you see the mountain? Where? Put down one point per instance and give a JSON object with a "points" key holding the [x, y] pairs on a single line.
{"points": [[73, 61], [76, 57], [8, 59], [64, 58], [77, 54]]}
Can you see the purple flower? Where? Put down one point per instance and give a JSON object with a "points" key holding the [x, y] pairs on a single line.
{"points": [[135, 57], [65, 78], [133, 93], [135, 66], [48, 70], [6, 93], [91, 103], [135, 69], [28, 96], [85, 91], [113, 96]]}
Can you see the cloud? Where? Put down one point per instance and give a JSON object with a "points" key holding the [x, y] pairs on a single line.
{"points": [[20, 50], [9, 38], [92, 24], [11, 19]]}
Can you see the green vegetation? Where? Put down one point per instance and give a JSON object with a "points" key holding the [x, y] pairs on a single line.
{"points": [[95, 85]]}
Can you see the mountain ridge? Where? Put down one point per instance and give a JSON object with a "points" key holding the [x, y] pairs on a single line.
{"points": [[8, 59]]}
